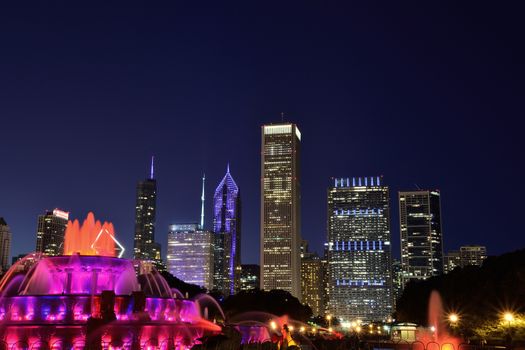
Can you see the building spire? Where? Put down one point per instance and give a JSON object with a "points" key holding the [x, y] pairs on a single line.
{"points": [[202, 200], [152, 169], [228, 168]]}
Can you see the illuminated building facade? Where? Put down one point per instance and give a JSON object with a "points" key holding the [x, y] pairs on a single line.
{"points": [[50, 233], [5, 245], [472, 255], [312, 287], [227, 229], [280, 208], [451, 260], [144, 245], [249, 279], [398, 281], [190, 254], [421, 234], [359, 253]]}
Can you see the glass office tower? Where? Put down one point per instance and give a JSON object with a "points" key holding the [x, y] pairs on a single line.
{"points": [[359, 253]]}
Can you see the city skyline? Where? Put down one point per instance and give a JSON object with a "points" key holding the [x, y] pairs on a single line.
{"points": [[204, 212], [201, 89]]}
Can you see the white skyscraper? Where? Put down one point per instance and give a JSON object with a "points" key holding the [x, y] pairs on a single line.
{"points": [[280, 208]]}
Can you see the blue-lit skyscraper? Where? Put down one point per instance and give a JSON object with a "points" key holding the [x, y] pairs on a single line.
{"points": [[359, 261], [227, 229]]}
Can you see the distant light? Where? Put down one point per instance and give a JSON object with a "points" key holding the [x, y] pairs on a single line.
{"points": [[433, 329], [273, 325]]}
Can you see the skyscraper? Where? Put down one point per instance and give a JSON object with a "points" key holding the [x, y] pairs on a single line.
{"points": [[190, 254], [249, 277], [421, 234], [50, 234], [451, 260], [472, 255], [359, 256], [144, 247], [397, 280], [468, 255], [312, 287], [227, 229], [280, 208], [5, 245]]}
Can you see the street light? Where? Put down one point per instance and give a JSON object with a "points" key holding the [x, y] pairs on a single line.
{"points": [[329, 319], [453, 318], [273, 325], [508, 316]]}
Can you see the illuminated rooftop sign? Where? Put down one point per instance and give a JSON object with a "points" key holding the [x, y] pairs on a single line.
{"points": [[61, 214]]}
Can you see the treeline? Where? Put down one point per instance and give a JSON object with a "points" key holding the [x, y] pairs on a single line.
{"points": [[478, 294]]}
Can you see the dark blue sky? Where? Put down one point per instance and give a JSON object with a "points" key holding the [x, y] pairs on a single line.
{"points": [[426, 93]]}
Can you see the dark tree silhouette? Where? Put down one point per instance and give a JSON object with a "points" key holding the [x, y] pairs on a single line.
{"points": [[183, 287], [277, 302], [479, 294]]}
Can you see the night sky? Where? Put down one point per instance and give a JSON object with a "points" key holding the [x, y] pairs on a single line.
{"points": [[427, 94]]}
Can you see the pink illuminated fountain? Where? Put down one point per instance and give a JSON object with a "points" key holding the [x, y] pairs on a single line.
{"points": [[437, 337], [89, 296]]}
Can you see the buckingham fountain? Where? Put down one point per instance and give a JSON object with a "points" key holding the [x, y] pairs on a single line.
{"points": [[92, 298]]}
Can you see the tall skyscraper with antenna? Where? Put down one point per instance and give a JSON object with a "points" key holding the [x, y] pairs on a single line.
{"points": [[227, 233], [145, 247], [280, 208]]}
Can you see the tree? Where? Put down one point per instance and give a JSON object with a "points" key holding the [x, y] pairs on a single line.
{"points": [[479, 294], [277, 302], [185, 288]]}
